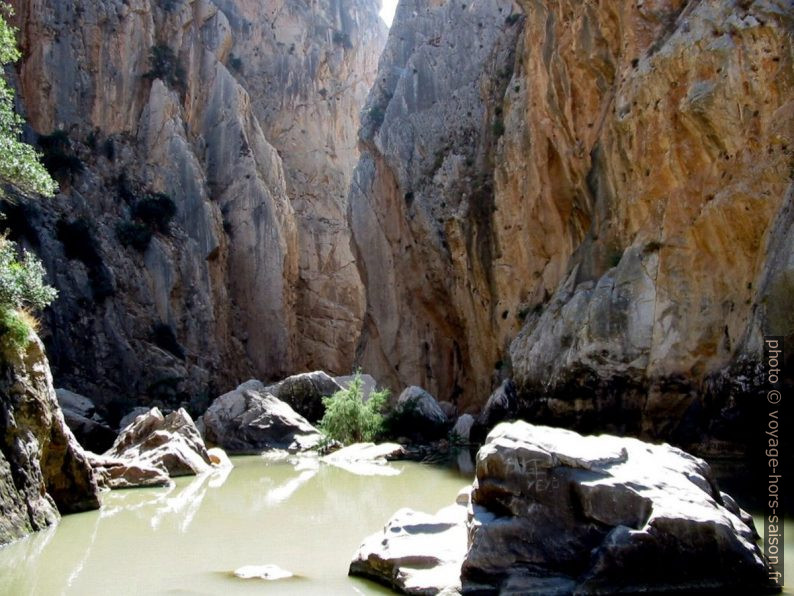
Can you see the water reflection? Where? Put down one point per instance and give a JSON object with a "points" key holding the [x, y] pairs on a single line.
{"points": [[292, 512]]}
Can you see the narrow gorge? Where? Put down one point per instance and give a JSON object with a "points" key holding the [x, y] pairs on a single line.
{"points": [[488, 225]]}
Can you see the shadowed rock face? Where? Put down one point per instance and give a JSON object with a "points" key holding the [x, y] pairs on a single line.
{"points": [[249, 125], [596, 199], [43, 470]]}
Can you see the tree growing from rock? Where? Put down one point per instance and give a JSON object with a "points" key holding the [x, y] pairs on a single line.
{"points": [[349, 418]]}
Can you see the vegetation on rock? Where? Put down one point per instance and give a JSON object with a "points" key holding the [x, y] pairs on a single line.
{"points": [[19, 162], [164, 65], [22, 284], [349, 418]]}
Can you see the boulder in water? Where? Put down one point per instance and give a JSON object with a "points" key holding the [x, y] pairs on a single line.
{"points": [[170, 442], [250, 420], [305, 392], [555, 512]]}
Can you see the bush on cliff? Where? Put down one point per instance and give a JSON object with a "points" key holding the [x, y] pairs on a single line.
{"points": [[22, 288], [19, 162], [22, 284], [350, 419]]}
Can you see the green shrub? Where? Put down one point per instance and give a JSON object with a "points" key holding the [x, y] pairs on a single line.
{"points": [[22, 282], [348, 418], [19, 162], [615, 256], [79, 243], [164, 65], [134, 234], [343, 39], [236, 63], [58, 156], [498, 127], [376, 115], [22, 287], [157, 210], [512, 19]]}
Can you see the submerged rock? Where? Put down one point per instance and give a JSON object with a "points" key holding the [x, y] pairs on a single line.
{"points": [[367, 459], [267, 572], [43, 470], [170, 442], [555, 512], [115, 472], [90, 429], [305, 393], [249, 420]]}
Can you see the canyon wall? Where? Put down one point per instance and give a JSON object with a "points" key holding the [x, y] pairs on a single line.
{"points": [[245, 115], [591, 197], [43, 470]]}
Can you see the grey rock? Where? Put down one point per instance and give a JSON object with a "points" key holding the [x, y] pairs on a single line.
{"points": [[304, 393], [89, 428], [424, 404], [368, 383], [416, 553], [502, 405], [43, 469], [250, 420], [170, 442], [555, 512], [462, 427], [132, 415], [116, 473], [418, 416]]}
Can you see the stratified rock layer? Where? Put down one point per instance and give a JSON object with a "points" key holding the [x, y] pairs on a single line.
{"points": [[43, 470], [555, 512], [609, 179]]}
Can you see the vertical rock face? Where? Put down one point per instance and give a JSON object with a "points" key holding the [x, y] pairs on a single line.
{"points": [[43, 470], [422, 201], [198, 100], [595, 196], [322, 59], [673, 133]]}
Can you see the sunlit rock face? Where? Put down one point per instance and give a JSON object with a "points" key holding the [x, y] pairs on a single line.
{"points": [[421, 201], [250, 128], [555, 512], [595, 199]]}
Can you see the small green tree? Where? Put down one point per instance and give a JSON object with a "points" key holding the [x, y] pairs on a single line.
{"points": [[22, 284], [19, 162], [22, 288], [348, 418]]}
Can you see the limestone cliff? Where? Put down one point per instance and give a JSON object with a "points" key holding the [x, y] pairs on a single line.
{"points": [[43, 470], [244, 114], [607, 183]]}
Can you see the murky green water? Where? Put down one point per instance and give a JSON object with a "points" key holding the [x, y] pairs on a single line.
{"points": [[308, 519]]}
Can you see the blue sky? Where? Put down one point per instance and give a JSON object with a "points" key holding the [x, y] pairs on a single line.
{"points": [[387, 13]]}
